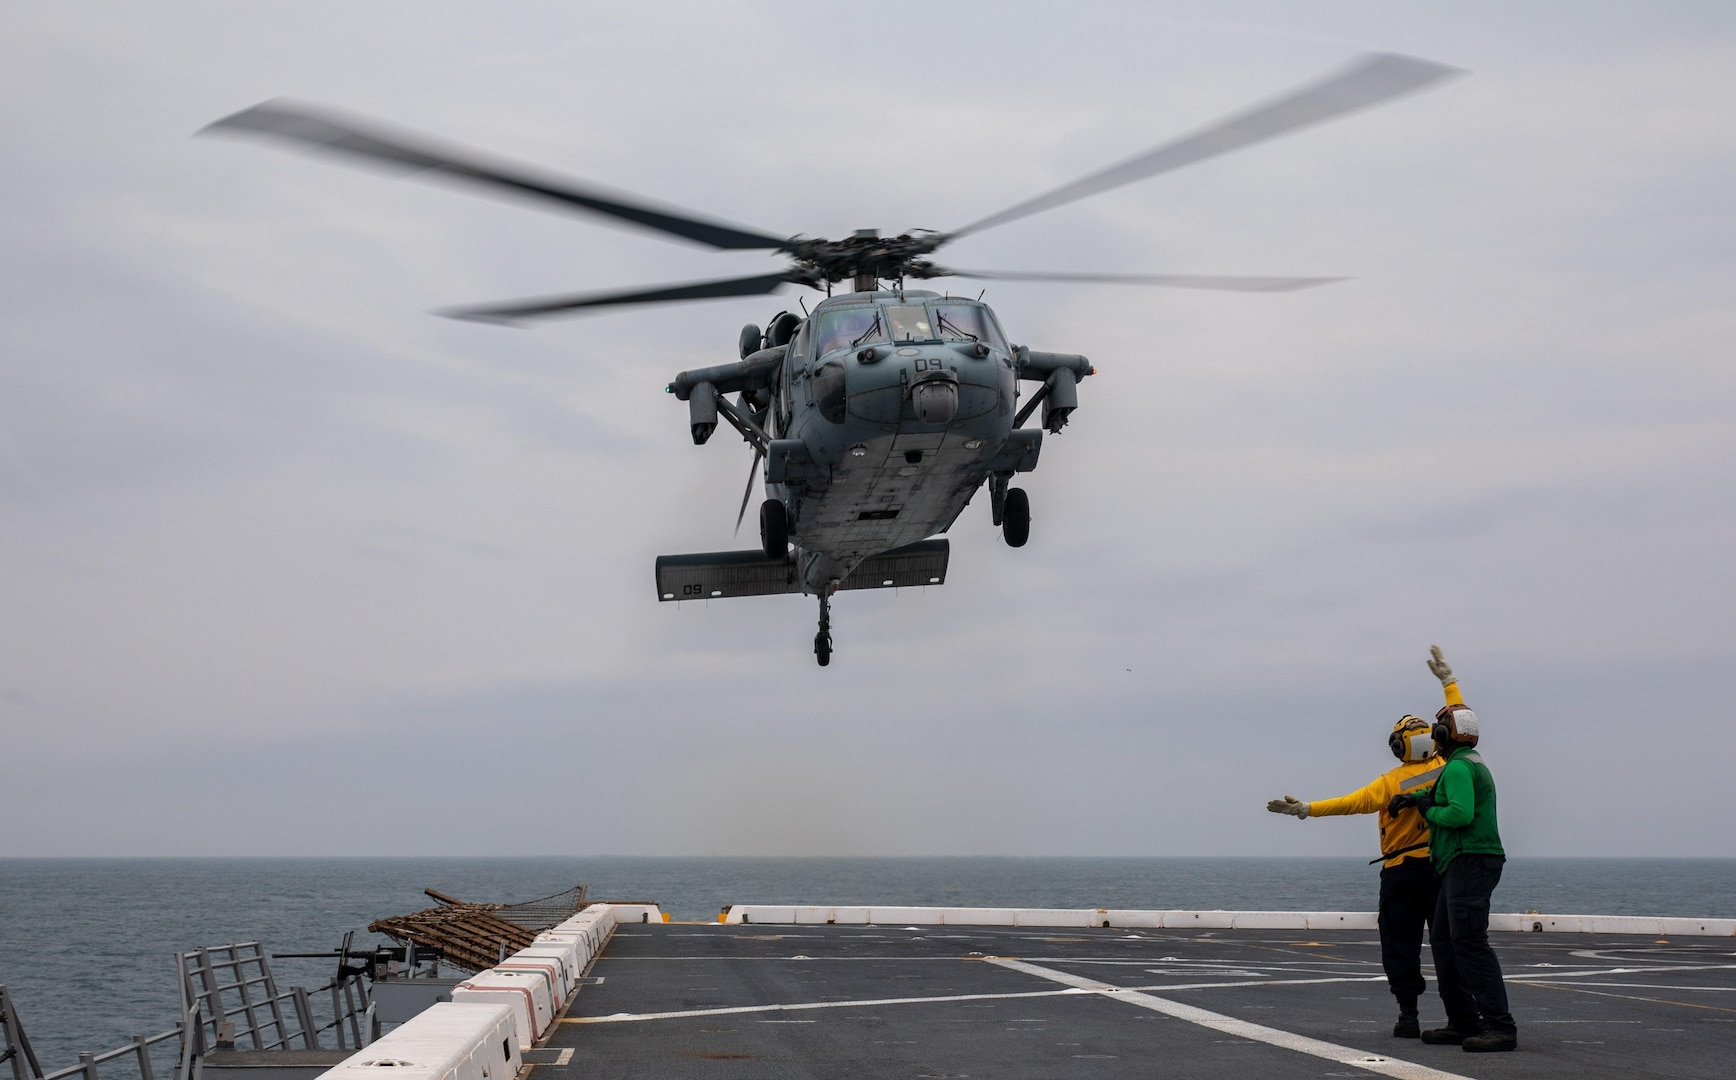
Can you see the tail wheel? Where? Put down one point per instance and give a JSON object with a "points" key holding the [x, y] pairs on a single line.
{"points": [[774, 529], [1016, 518]]}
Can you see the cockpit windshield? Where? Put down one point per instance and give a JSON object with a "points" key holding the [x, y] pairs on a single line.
{"points": [[910, 323], [966, 322], [840, 327]]}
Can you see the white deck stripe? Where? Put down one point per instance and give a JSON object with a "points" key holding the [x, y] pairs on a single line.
{"points": [[1229, 1025], [729, 1010]]}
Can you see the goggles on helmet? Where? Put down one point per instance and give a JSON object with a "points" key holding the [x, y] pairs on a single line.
{"points": [[1411, 740]]}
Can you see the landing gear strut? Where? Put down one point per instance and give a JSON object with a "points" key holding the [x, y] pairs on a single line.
{"points": [[823, 639]]}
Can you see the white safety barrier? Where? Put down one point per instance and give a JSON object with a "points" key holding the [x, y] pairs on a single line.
{"points": [[594, 924], [634, 913], [446, 1041], [1202, 920], [1614, 924], [550, 963], [495, 1014], [570, 948], [526, 993]]}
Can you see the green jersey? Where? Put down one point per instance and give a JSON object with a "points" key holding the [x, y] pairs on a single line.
{"points": [[1462, 819]]}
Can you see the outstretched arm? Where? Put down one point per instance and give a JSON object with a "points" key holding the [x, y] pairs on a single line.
{"points": [[1364, 800]]}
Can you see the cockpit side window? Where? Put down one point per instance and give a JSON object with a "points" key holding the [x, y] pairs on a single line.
{"points": [[840, 327], [910, 323]]}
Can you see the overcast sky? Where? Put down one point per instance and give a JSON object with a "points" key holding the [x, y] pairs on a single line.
{"points": [[272, 537]]}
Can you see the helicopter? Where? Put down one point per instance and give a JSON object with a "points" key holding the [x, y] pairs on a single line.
{"points": [[878, 415]]}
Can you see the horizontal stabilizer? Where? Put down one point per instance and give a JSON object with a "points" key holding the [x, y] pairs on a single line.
{"points": [[716, 575], [921, 563]]}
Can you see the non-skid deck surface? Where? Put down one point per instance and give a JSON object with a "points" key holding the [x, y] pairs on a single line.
{"points": [[729, 1001]]}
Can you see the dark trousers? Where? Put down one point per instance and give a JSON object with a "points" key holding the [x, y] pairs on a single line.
{"points": [[1466, 972], [1407, 902]]}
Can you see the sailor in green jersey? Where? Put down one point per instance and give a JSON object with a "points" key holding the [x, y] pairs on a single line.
{"points": [[1465, 843]]}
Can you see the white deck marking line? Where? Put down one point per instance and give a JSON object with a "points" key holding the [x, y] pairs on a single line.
{"points": [[1229, 1025], [623, 1018], [566, 1057], [1628, 986], [1557, 973], [732, 1010]]}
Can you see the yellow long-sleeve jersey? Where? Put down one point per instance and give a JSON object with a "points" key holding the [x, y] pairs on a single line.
{"points": [[1405, 836]]}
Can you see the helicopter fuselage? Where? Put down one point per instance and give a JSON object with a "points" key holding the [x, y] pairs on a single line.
{"points": [[880, 416]]}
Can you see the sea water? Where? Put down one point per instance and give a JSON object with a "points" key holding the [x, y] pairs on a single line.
{"points": [[87, 945]]}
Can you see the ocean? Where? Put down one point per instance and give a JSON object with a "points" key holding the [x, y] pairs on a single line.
{"points": [[87, 945]]}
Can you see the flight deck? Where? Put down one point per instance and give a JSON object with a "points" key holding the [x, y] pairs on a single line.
{"points": [[720, 1001]]}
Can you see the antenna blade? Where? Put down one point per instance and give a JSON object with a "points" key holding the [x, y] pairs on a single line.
{"points": [[565, 305], [1220, 282], [327, 130], [1370, 80], [748, 494]]}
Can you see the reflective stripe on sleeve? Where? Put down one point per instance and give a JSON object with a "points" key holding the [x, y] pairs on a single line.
{"points": [[1421, 778]]}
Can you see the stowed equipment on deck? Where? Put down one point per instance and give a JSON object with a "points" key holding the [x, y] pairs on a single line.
{"points": [[475, 936]]}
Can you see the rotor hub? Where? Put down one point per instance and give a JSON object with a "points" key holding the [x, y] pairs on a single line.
{"points": [[886, 258]]}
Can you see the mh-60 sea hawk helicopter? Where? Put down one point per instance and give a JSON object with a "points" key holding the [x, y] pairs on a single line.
{"points": [[880, 414]]}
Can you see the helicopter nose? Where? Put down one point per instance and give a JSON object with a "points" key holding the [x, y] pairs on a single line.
{"points": [[935, 401]]}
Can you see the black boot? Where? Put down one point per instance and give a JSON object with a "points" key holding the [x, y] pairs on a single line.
{"points": [[1490, 1042], [1446, 1036], [1407, 1026]]}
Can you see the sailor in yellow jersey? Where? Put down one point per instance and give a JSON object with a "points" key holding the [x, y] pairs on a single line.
{"points": [[1408, 884]]}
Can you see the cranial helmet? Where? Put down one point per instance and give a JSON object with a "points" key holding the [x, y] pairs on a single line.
{"points": [[1410, 739], [1455, 725]]}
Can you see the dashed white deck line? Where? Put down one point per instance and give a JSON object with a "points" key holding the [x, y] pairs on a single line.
{"points": [[1229, 1025]]}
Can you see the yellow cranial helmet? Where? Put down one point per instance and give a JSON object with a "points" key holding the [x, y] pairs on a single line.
{"points": [[1411, 739]]}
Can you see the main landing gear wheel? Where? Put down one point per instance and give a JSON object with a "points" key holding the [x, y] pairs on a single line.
{"points": [[1016, 518], [775, 529], [823, 639]]}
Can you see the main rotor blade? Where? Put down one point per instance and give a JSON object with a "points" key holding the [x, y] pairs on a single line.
{"points": [[560, 305], [1223, 282], [748, 494], [1375, 78], [323, 129]]}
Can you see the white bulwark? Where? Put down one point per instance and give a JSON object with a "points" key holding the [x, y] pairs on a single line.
{"points": [[1200, 920]]}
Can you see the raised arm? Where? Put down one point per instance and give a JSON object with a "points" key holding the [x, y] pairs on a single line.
{"points": [[1444, 672]]}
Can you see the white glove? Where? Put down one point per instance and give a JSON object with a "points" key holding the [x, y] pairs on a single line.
{"points": [[1289, 804], [1438, 664]]}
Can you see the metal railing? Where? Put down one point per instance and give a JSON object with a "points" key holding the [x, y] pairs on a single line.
{"points": [[22, 1057], [229, 1000], [236, 1002]]}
